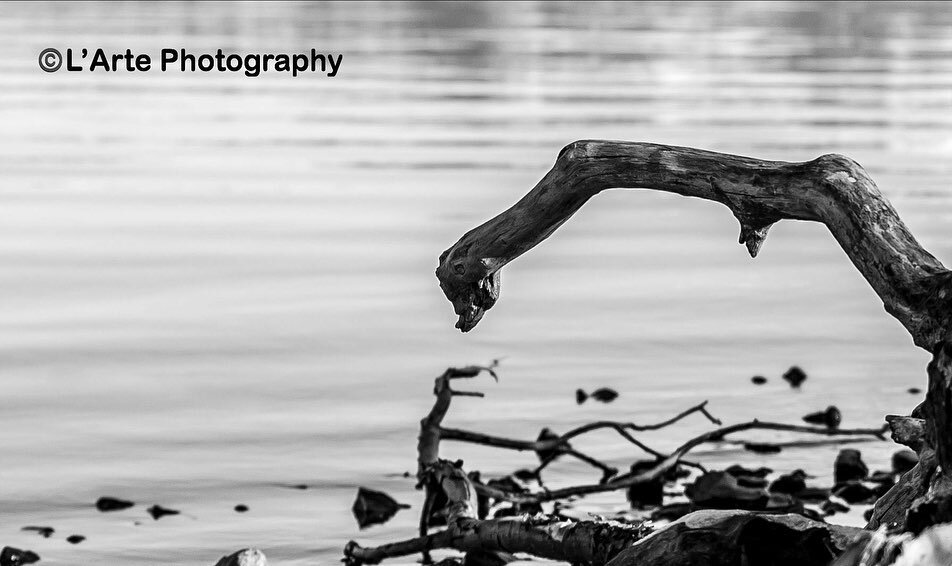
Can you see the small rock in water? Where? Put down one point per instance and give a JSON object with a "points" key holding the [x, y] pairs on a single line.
{"points": [[914, 390], [721, 490], [44, 532], [830, 418], [106, 504], [245, 557], [525, 475], [904, 460], [737, 470], [157, 512], [75, 539], [795, 376], [547, 434], [762, 447], [849, 466], [791, 484], [580, 396], [11, 556], [241, 508], [758, 380], [374, 507], [603, 394], [868, 514]]}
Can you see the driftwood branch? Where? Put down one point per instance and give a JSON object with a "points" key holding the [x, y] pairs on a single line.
{"points": [[833, 190]]}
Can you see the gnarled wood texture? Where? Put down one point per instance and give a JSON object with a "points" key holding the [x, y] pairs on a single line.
{"points": [[834, 190]]}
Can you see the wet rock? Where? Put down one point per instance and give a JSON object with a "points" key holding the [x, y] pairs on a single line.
{"points": [[795, 376], [11, 556], [855, 492], [914, 390], [157, 512], [830, 418], [649, 493], [868, 514], [672, 511], [721, 490], [580, 396], [106, 504], [246, 557], [241, 508], [791, 484], [75, 539], [735, 538], [832, 507], [813, 494], [374, 507], [44, 532], [903, 461], [762, 447], [849, 466], [758, 380]]}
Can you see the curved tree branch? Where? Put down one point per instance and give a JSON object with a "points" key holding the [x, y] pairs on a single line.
{"points": [[833, 190]]}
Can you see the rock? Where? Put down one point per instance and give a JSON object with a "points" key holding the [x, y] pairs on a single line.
{"points": [[762, 447], [672, 511], [580, 396], [903, 461], [604, 394], [106, 504], [246, 557], [830, 418], [241, 508], [814, 494], [791, 484], [44, 532], [646, 494], [855, 492], [374, 507], [721, 490], [75, 539], [849, 466], [868, 514], [914, 390], [11, 556], [758, 380], [157, 512], [832, 506], [795, 376], [884, 482], [736, 538]]}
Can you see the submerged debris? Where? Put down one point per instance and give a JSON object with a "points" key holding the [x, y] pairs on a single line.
{"points": [[11, 556], [374, 507], [603, 394], [106, 504], [795, 376]]}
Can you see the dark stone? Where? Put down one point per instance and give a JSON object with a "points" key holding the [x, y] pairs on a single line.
{"points": [[791, 484], [157, 512], [721, 490], [44, 532], [855, 492], [830, 418], [914, 390], [106, 504], [649, 493], [814, 494], [10, 556], [758, 380], [547, 434], [580, 396], [849, 466], [241, 508], [762, 447], [738, 538], [75, 539], [374, 507], [868, 514], [831, 507], [671, 512], [903, 461], [795, 376]]}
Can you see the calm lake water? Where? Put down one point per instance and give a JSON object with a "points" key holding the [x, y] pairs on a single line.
{"points": [[215, 286]]}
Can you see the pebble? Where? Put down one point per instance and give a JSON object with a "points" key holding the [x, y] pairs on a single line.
{"points": [[106, 504]]}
